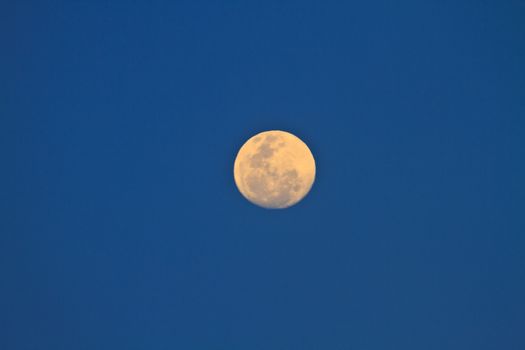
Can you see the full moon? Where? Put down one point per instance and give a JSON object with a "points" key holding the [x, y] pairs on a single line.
{"points": [[274, 169]]}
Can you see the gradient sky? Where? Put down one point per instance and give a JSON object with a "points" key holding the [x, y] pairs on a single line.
{"points": [[121, 225]]}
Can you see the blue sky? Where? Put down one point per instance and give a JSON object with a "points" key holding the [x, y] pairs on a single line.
{"points": [[122, 227]]}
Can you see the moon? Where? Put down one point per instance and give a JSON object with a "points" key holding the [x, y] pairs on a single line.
{"points": [[274, 169]]}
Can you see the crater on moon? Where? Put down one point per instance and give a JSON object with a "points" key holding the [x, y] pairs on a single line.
{"points": [[274, 169]]}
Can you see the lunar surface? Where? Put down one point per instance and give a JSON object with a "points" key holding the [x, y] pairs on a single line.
{"points": [[274, 169]]}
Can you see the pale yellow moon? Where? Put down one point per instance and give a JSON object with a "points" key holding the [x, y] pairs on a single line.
{"points": [[274, 169]]}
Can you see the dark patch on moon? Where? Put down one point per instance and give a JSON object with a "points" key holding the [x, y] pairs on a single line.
{"points": [[270, 186]]}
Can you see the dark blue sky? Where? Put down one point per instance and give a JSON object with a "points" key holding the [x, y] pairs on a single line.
{"points": [[121, 226]]}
